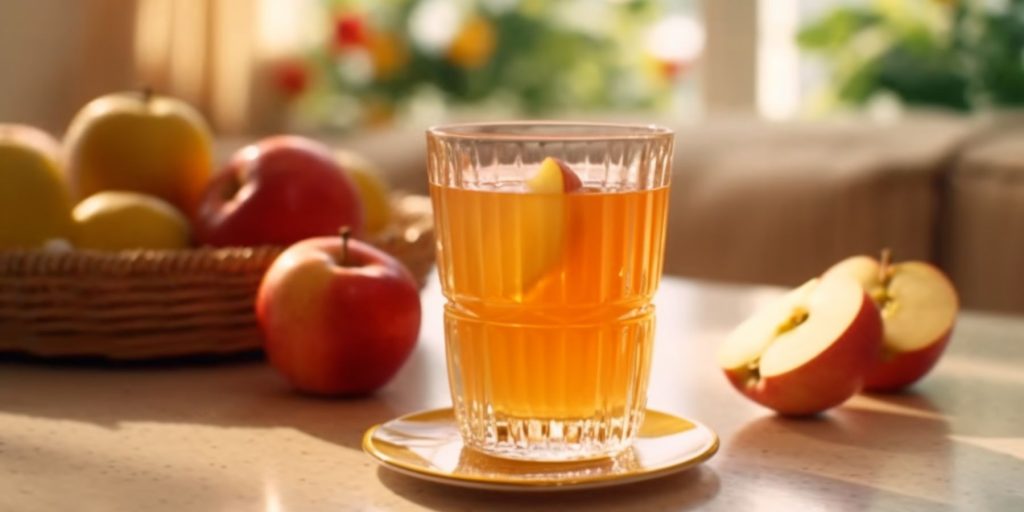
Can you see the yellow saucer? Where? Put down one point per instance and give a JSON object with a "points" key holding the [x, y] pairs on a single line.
{"points": [[427, 445]]}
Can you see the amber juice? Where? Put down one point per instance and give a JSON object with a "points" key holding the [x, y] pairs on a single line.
{"points": [[549, 322]]}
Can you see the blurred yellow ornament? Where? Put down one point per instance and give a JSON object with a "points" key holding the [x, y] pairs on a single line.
{"points": [[665, 72], [373, 190], [115, 220], [377, 112], [474, 44], [388, 54]]}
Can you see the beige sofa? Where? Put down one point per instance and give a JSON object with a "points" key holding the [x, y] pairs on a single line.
{"points": [[982, 221], [762, 202]]}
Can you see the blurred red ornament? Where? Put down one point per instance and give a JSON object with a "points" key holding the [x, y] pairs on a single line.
{"points": [[350, 30], [291, 77], [672, 70]]}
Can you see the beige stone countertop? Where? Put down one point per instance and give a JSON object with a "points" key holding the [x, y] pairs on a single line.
{"points": [[231, 436]]}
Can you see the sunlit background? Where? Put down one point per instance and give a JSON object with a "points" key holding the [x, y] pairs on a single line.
{"points": [[333, 65], [808, 130]]}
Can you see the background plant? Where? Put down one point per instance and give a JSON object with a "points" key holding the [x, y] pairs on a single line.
{"points": [[382, 59], [962, 55]]}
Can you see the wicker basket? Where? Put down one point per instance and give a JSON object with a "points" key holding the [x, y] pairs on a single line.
{"points": [[147, 304]]}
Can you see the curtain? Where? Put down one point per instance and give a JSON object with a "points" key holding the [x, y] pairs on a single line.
{"points": [[218, 54], [57, 55]]}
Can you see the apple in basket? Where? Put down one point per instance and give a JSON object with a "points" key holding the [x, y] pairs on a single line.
{"points": [[35, 205], [339, 317], [279, 191], [139, 142]]}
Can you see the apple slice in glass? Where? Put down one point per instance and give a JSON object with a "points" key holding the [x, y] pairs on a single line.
{"points": [[807, 351], [544, 220], [554, 176]]}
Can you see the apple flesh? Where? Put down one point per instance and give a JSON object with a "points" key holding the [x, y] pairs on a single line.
{"points": [[806, 352], [338, 317], [277, 192], [918, 305]]}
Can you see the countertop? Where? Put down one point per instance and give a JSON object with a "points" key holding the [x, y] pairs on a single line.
{"points": [[231, 436]]}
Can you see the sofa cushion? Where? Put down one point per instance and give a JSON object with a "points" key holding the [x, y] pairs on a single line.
{"points": [[779, 203], [983, 237]]}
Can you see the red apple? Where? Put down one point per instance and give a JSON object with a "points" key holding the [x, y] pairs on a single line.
{"points": [[276, 192], [807, 351], [918, 304], [338, 317]]}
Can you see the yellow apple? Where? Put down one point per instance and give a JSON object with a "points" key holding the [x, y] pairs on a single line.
{"points": [[372, 190], [140, 142], [918, 304], [34, 202], [115, 220]]}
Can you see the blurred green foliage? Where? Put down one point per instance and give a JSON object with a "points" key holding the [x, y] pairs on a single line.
{"points": [[962, 55]]}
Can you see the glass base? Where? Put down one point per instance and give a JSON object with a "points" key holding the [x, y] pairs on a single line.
{"points": [[549, 440]]}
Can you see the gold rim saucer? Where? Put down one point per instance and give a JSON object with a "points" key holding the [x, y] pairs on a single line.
{"points": [[427, 445]]}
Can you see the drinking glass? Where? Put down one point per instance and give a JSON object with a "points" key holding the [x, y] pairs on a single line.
{"points": [[548, 322]]}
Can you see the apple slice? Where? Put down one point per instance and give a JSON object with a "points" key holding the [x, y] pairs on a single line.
{"points": [[544, 219], [918, 304], [807, 351], [554, 176]]}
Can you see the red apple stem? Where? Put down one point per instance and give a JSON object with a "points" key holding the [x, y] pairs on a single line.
{"points": [[346, 233], [885, 263]]}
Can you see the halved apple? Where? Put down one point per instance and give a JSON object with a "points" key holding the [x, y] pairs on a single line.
{"points": [[918, 304], [807, 351]]}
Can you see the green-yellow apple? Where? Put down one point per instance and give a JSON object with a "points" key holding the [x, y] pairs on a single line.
{"points": [[279, 191], [140, 142], [34, 202], [374, 192], [918, 304], [807, 351], [115, 220], [339, 317]]}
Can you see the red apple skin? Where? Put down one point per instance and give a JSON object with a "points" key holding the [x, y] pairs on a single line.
{"points": [[825, 381], [278, 191], [335, 329], [897, 371], [570, 180]]}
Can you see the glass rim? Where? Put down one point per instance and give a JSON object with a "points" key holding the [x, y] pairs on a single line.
{"points": [[572, 131]]}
